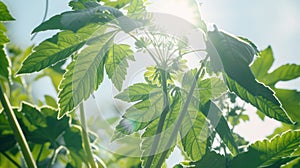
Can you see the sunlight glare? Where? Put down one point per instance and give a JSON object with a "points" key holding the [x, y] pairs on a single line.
{"points": [[185, 9]]}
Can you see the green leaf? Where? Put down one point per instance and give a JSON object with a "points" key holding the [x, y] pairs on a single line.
{"points": [[83, 4], [210, 88], [212, 160], [42, 124], [217, 120], [270, 108], [73, 142], [117, 63], [117, 3], [85, 73], [7, 142], [3, 38], [235, 56], [194, 133], [288, 98], [290, 102], [267, 152], [146, 110], [150, 135], [231, 53], [136, 9], [50, 101], [283, 73], [74, 20], [293, 164], [58, 48], [138, 91], [206, 89], [262, 64], [4, 65], [4, 13], [141, 114]]}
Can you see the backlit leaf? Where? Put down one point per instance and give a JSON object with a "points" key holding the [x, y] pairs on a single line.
{"points": [[210, 159], [283, 73], [3, 38], [288, 98], [235, 56], [166, 142], [142, 113], [85, 73], [136, 9], [217, 120], [4, 65], [4, 13], [206, 89], [262, 64], [290, 102], [267, 152], [74, 20], [194, 133], [58, 48], [138, 91], [117, 63], [210, 88], [271, 109]]}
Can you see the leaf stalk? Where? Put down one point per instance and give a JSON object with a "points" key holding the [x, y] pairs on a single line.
{"points": [[18, 133]]}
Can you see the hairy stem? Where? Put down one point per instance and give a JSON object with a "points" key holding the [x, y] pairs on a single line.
{"points": [[85, 138], [161, 119], [18, 133]]}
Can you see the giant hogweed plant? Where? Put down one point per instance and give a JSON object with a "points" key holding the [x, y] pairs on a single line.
{"points": [[177, 105]]}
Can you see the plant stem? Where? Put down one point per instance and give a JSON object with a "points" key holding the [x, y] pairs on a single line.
{"points": [[161, 119], [181, 117], [20, 138], [85, 138]]}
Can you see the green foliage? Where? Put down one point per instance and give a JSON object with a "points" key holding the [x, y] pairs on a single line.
{"points": [[193, 109], [142, 113], [225, 51], [214, 114], [117, 64], [56, 49], [5, 15], [210, 159], [85, 73], [74, 20], [269, 152], [286, 72], [4, 62]]}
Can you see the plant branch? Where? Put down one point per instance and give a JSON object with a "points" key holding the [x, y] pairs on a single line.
{"points": [[151, 54], [182, 114], [18, 133], [85, 138], [161, 119]]}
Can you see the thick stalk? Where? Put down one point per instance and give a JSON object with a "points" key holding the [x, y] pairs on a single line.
{"points": [[161, 119], [85, 138], [180, 119], [18, 133]]}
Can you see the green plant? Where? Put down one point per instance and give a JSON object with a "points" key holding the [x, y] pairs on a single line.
{"points": [[174, 106]]}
